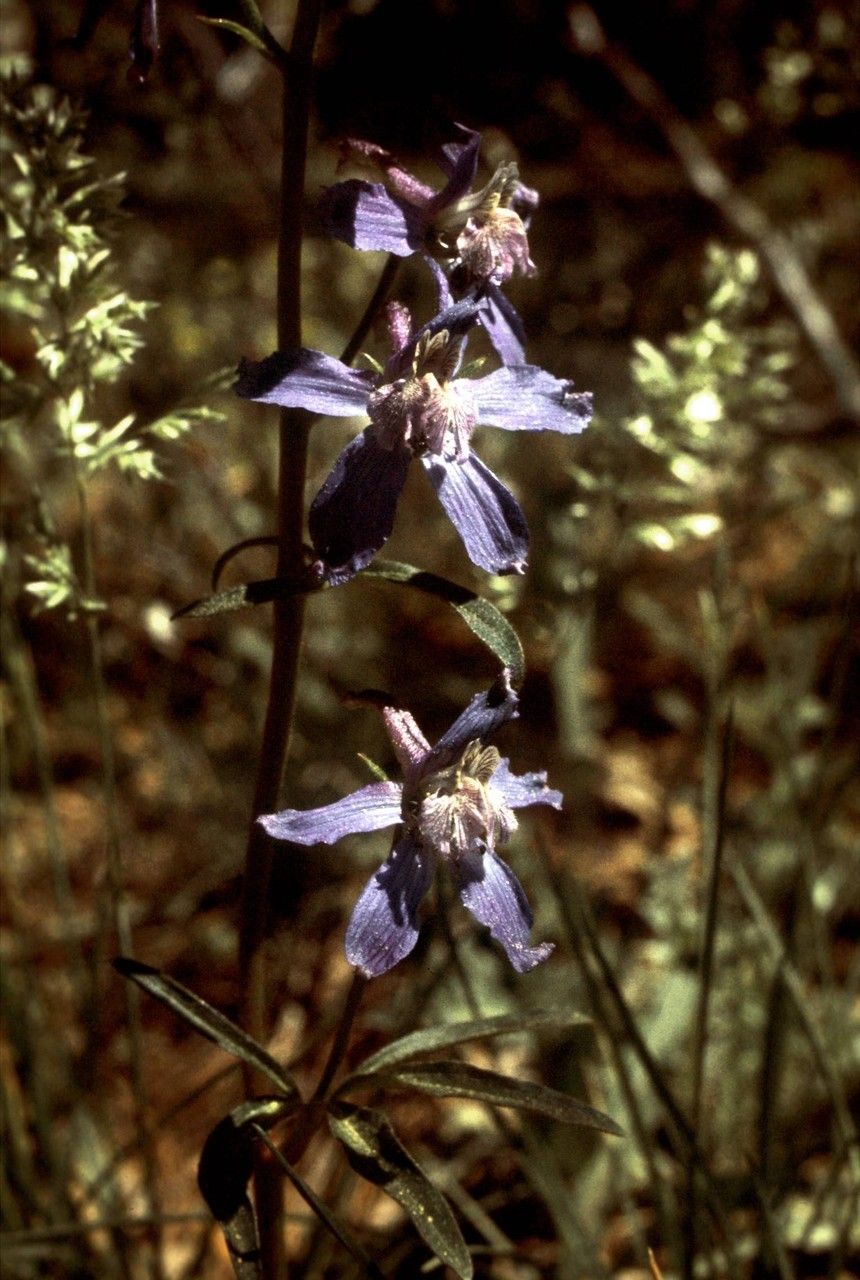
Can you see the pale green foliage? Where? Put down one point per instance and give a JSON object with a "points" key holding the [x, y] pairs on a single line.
{"points": [[56, 582], [73, 329], [667, 475]]}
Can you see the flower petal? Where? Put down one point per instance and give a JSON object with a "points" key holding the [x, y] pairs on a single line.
{"points": [[369, 809], [504, 327], [444, 296], [485, 714], [383, 928], [366, 216], [304, 379], [486, 515], [460, 162], [521, 790], [353, 513], [490, 890], [526, 398]]}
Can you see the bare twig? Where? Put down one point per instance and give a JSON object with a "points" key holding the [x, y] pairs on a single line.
{"points": [[785, 264]]}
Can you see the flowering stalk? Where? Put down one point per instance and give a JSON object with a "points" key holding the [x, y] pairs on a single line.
{"points": [[288, 612]]}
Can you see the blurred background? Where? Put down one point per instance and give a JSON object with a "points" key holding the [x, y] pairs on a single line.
{"points": [[689, 619]]}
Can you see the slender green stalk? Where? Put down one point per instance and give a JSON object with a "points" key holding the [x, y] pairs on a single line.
{"points": [[714, 809], [313, 1114], [660, 1189], [543, 1174], [338, 1048], [683, 1138], [379, 295], [795, 990]]}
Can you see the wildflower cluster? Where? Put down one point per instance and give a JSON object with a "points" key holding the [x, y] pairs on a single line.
{"points": [[457, 800]]}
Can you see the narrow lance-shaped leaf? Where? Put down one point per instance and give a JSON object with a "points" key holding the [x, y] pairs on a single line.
{"points": [[431, 1039], [482, 618], [454, 1079], [206, 1020], [263, 591], [250, 37], [225, 1168], [375, 1153]]}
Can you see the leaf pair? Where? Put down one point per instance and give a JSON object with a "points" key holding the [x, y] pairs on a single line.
{"points": [[482, 617], [372, 1148]]}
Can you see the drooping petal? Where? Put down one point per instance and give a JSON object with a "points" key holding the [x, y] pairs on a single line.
{"points": [[444, 296], [353, 513], [486, 515], [368, 809], [504, 327], [525, 200], [490, 890], [483, 717], [526, 398], [383, 927], [461, 163], [366, 216], [521, 790], [304, 379]]}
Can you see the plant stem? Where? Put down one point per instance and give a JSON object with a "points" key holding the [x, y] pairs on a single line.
{"points": [[292, 467], [717, 762], [288, 611], [338, 1047]]}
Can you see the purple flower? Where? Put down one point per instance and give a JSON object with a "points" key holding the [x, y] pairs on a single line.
{"points": [[480, 236], [418, 408], [456, 805]]}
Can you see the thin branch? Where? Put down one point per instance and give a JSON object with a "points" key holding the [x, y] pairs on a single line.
{"points": [[327, 1218], [785, 264], [794, 987], [717, 758]]}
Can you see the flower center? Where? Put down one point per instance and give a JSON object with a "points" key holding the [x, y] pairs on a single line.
{"points": [[500, 191], [484, 232], [458, 808], [428, 411], [493, 246]]}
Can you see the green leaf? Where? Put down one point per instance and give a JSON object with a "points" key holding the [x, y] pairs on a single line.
{"points": [[245, 33], [207, 1021], [378, 773], [454, 1079], [375, 1153], [249, 593], [429, 1039], [481, 617], [224, 1170], [227, 1159]]}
